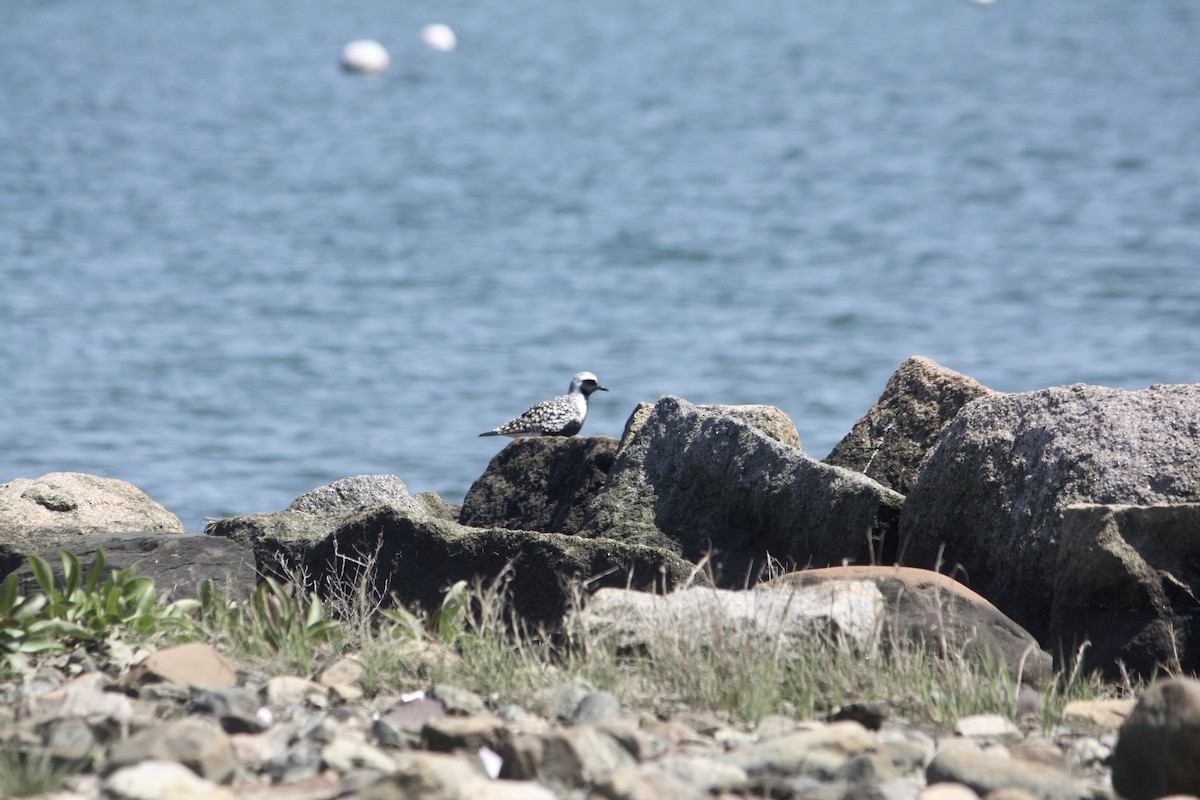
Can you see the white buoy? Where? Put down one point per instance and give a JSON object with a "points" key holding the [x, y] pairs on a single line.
{"points": [[366, 56], [439, 37]]}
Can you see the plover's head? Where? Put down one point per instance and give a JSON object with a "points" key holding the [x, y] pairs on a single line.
{"points": [[585, 383]]}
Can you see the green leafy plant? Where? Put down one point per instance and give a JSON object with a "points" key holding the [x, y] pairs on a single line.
{"points": [[23, 627], [91, 606], [273, 624]]}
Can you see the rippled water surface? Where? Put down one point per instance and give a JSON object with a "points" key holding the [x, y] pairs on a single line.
{"points": [[230, 272]]}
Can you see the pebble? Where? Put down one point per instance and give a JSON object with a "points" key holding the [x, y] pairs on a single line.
{"points": [[181, 738]]}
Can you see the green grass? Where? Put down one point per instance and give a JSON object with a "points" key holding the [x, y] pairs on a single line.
{"points": [[472, 641]]}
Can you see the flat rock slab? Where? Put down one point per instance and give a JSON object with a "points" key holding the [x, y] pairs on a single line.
{"points": [[699, 615], [177, 564]]}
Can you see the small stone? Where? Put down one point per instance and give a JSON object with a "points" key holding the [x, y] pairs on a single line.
{"points": [[346, 692], [1158, 752], [70, 740], [576, 756], [893, 789], [196, 742], [448, 734], [1088, 751], [1098, 715], [255, 749], [867, 768], [987, 726], [986, 773], [235, 708], [195, 664], [870, 715], [162, 780], [647, 782], [438, 775], [567, 697], [459, 701], [906, 753], [773, 726], [818, 753], [343, 672], [1011, 794], [947, 791], [596, 707], [344, 756], [288, 691]]}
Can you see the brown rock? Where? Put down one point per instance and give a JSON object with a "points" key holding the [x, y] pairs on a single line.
{"points": [[890, 441], [1158, 752], [195, 664], [935, 611]]}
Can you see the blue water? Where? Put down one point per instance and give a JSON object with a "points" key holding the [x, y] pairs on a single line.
{"points": [[230, 272]]}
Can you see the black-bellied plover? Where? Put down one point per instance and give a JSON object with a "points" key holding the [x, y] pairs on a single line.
{"points": [[561, 416]]}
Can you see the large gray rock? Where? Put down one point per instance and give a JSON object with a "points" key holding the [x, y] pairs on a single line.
{"points": [[356, 493], [76, 503], [698, 481], [287, 537], [417, 557], [768, 419], [1158, 752], [1127, 582], [540, 484], [893, 437], [993, 490], [939, 614]]}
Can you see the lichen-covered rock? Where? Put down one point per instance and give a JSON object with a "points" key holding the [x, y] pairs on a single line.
{"points": [[1127, 581], [540, 484], [703, 483], [991, 495], [892, 438]]}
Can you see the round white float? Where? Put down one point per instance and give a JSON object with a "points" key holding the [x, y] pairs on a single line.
{"points": [[366, 56], [439, 37]]}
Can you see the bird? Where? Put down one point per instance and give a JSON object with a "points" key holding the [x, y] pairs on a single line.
{"points": [[559, 416]]}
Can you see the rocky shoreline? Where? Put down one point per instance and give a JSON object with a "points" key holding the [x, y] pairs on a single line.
{"points": [[977, 524]]}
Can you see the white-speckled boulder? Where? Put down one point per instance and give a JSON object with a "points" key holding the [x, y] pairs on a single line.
{"points": [[74, 502], [990, 499]]}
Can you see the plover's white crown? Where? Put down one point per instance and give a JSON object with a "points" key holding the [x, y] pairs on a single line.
{"points": [[560, 416]]}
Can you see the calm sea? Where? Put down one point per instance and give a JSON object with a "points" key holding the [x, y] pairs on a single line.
{"points": [[230, 272]]}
